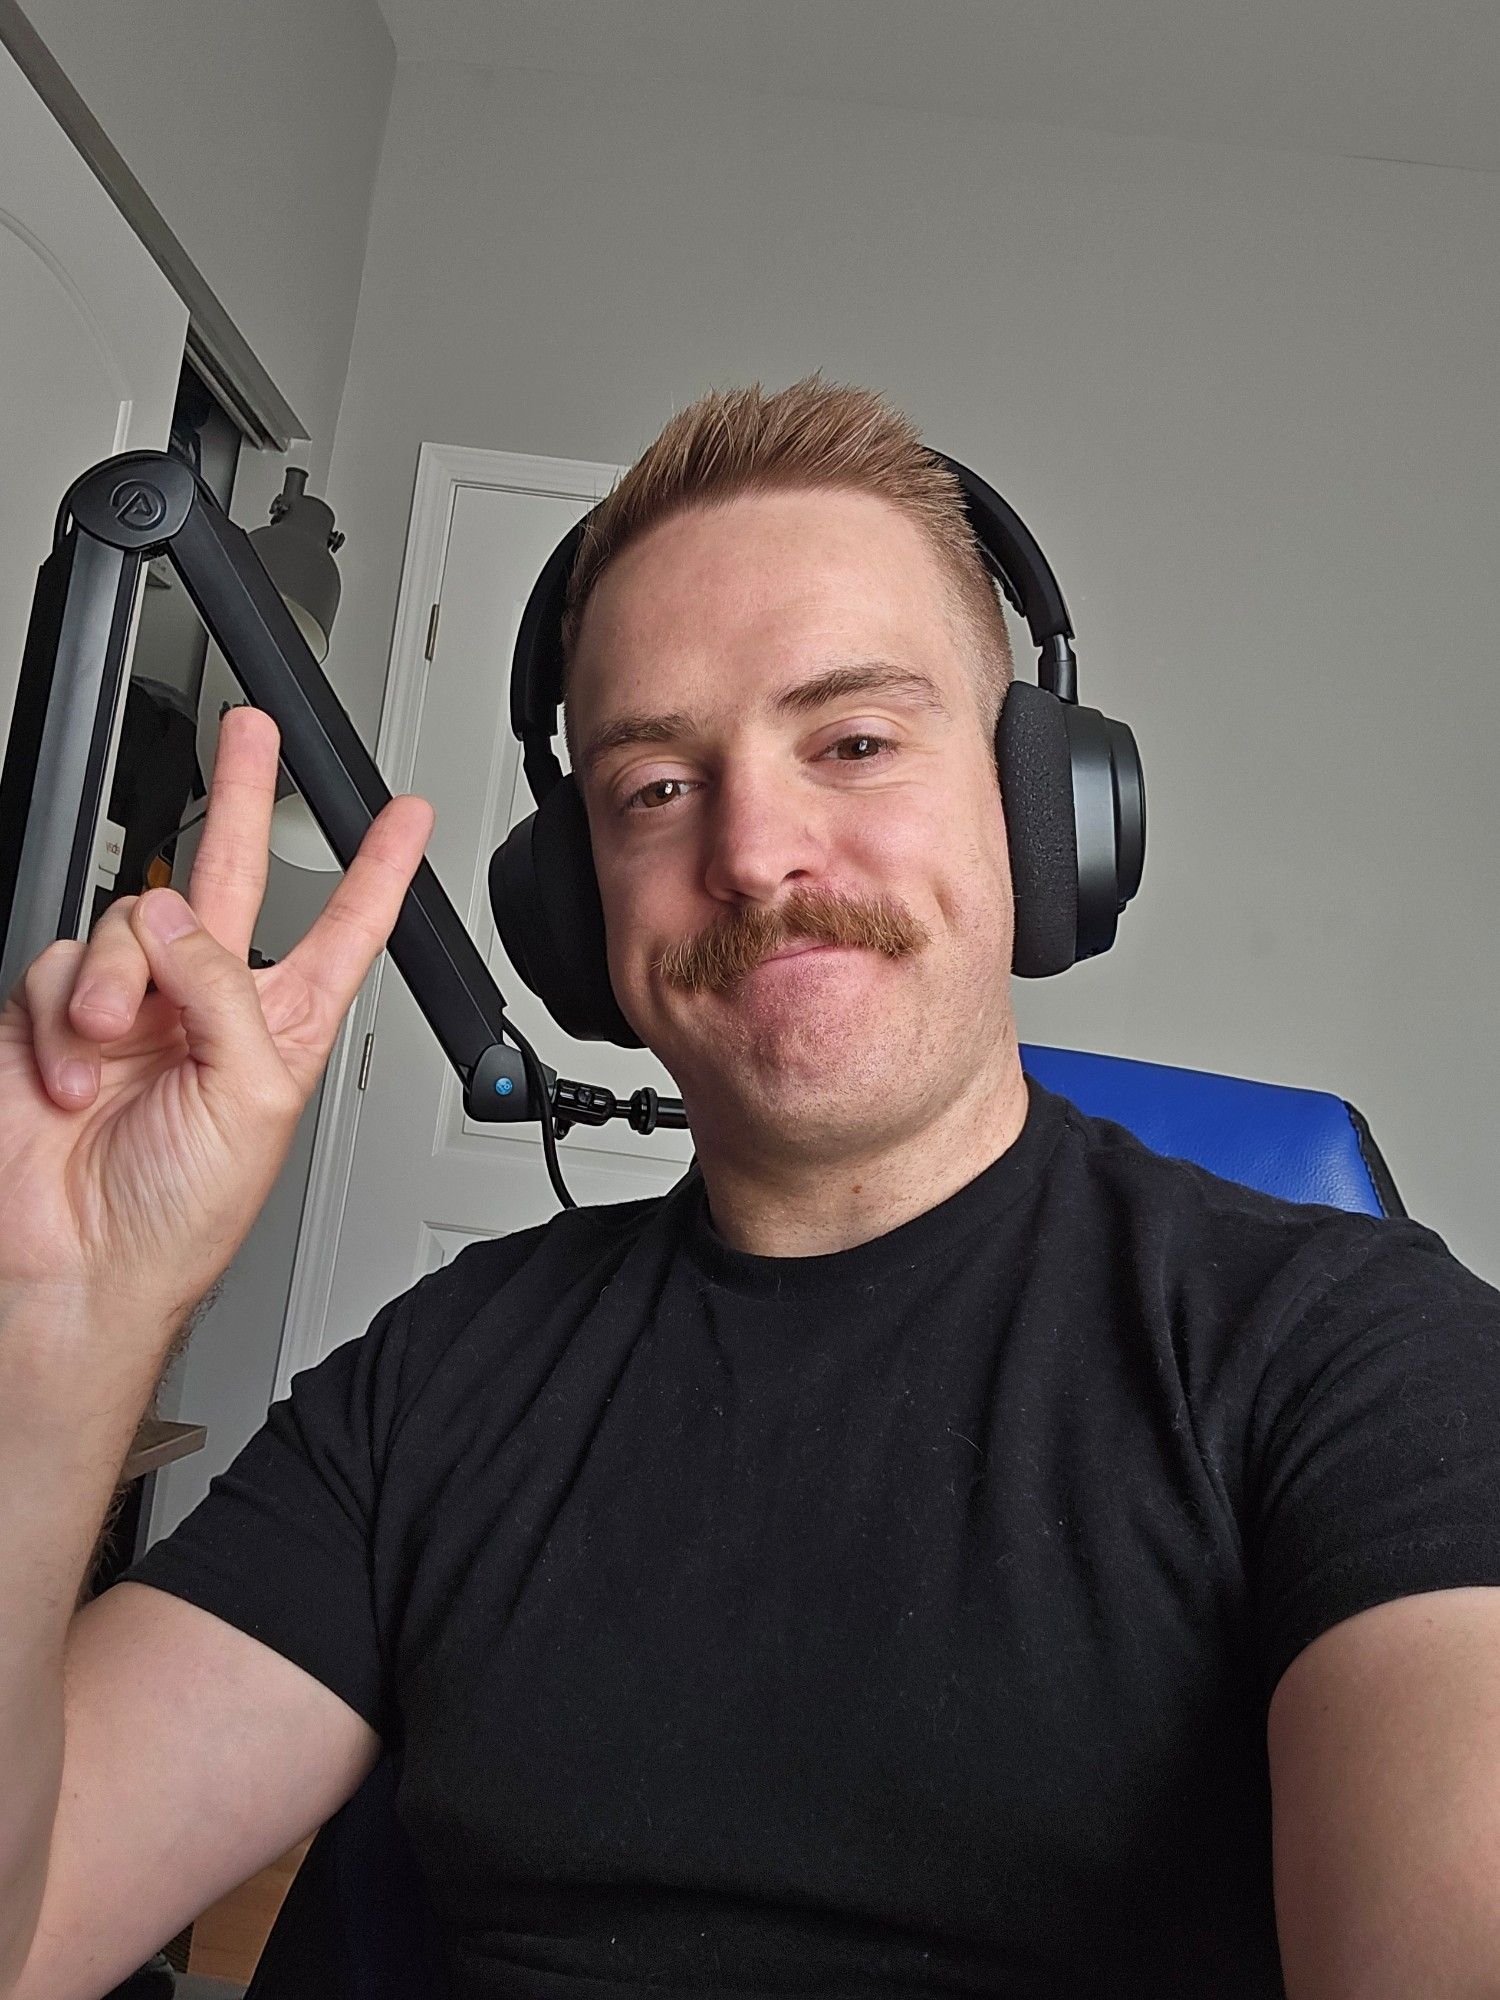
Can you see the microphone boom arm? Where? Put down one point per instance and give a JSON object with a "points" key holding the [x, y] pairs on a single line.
{"points": [[126, 510]]}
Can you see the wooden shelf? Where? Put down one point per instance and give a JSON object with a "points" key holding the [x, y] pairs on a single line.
{"points": [[230, 1936], [157, 1443]]}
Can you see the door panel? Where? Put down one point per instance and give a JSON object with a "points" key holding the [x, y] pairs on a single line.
{"points": [[425, 1179]]}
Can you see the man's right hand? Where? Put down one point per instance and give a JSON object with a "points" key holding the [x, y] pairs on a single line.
{"points": [[141, 1132]]}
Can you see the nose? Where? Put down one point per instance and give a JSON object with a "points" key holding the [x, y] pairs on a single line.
{"points": [[763, 832]]}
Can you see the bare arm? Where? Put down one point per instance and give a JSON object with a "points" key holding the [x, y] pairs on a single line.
{"points": [[150, 1085], [154, 1755], [64, 1433], [1384, 1745], [194, 1755]]}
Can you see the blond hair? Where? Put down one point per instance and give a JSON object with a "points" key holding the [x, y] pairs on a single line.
{"points": [[812, 436]]}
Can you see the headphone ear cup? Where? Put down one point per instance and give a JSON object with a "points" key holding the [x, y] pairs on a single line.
{"points": [[1034, 764], [545, 897]]}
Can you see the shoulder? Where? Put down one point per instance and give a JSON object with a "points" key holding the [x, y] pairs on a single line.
{"points": [[1112, 1165], [573, 1239], [503, 1288], [1199, 1232], [1318, 1358]]}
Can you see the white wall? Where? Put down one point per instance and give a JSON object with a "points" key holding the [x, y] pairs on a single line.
{"points": [[1248, 402], [256, 132]]}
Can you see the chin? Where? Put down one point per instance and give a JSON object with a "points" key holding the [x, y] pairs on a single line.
{"points": [[826, 1126], [805, 1078]]}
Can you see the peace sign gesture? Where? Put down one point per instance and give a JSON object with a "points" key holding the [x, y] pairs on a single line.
{"points": [[142, 1131]]}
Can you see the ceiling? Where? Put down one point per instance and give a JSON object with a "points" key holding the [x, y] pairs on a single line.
{"points": [[1415, 80]]}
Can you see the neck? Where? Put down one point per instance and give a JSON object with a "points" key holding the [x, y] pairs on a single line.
{"points": [[794, 1206]]}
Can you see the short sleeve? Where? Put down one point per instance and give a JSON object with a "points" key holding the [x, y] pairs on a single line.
{"points": [[1374, 1442], [280, 1545]]}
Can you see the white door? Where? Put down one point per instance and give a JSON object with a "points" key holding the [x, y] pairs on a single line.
{"points": [[91, 345], [424, 1179]]}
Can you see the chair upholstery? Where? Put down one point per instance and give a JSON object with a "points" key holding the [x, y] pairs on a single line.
{"points": [[1303, 1145], [357, 1924]]}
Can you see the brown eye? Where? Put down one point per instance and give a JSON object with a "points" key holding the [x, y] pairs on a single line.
{"points": [[863, 736], [656, 785]]}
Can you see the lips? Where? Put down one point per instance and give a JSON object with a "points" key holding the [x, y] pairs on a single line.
{"points": [[803, 948], [796, 950]]}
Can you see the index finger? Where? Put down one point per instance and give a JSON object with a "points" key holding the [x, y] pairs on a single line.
{"points": [[228, 882]]}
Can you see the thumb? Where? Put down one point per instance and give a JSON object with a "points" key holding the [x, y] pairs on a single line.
{"points": [[216, 995]]}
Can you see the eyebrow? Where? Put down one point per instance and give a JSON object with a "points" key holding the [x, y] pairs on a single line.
{"points": [[835, 683]]}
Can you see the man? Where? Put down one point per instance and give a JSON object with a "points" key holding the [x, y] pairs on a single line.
{"points": [[941, 1546]]}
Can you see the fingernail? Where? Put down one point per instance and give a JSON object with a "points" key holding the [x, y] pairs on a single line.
{"points": [[100, 998], [167, 915], [76, 1079]]}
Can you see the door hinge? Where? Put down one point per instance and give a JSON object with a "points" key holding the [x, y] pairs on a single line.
{"points": [[364, 1061], [432, 619]]}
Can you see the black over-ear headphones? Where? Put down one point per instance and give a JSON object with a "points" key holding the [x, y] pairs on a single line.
{"points": [[1070, 779]]}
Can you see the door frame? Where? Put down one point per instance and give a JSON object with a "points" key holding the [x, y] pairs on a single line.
{"points": [[441, 470]]}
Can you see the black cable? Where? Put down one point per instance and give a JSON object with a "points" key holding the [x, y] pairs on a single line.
{"points": [[540, 1096], [166, 839]]}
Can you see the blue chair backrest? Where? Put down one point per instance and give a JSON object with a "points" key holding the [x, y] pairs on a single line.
{"points": [[357, 1923], [1303, 1145]]}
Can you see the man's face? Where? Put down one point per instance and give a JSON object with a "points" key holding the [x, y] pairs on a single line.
{"points": [[789, 724]]}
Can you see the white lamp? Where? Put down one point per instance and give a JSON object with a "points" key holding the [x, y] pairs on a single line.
{"points": [[296, 836], [296, 551]]}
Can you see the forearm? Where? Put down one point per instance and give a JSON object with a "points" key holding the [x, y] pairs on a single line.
{"points": [[73, 1389]]}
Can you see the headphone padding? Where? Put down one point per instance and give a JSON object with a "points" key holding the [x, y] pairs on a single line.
{"points": [[1036, 790], [545, 898]]}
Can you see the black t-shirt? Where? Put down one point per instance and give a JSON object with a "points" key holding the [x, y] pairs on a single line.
{"points": [[901, 1620]]}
